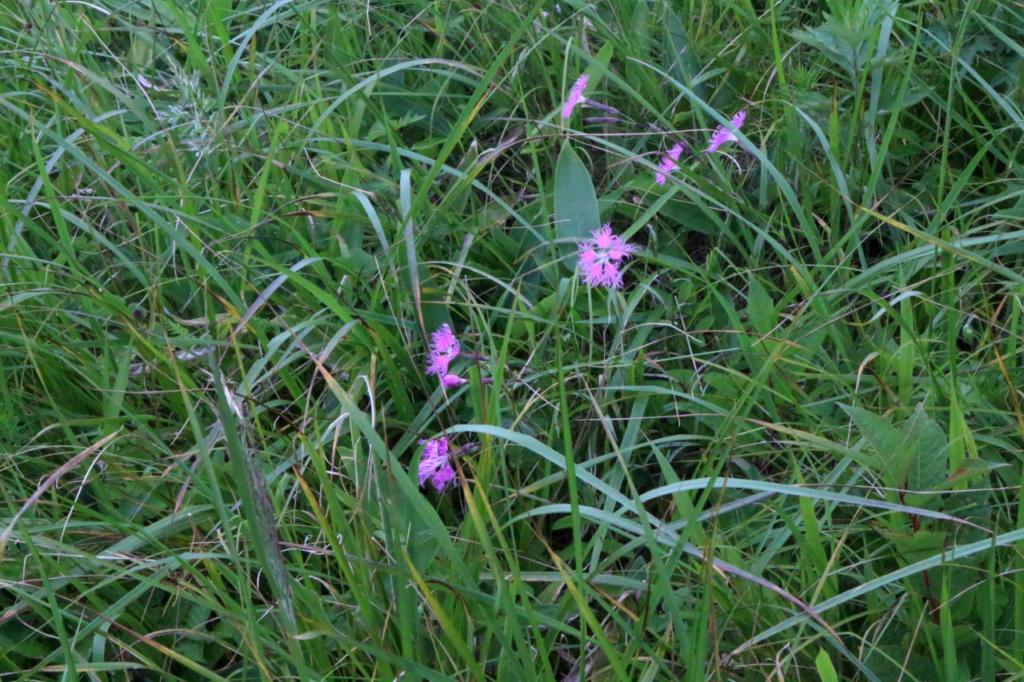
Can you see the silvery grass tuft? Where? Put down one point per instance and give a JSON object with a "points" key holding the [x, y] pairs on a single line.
{"points": [[194, 115]]}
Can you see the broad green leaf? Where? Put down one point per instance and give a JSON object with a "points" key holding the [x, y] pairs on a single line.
{"points": [[642, 30], [929, 451], [576, 212], [641, 42], [760, 308], [888, 441], [683, 63], [825, 668], [916, 546]]}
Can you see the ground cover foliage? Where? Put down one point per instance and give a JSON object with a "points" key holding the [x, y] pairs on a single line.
{"points": [[787, 448]]}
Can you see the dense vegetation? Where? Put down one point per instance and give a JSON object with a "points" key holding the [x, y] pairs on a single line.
{"points": [[788, 447]]}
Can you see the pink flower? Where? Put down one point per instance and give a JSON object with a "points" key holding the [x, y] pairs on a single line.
{"points": [[452, 381], [575, 95], [668, 163], [436, 465], [443, 349], [723, 135], [599, 258]]}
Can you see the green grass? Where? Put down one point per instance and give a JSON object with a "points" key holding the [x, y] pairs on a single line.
{"points": [[789, 448]]}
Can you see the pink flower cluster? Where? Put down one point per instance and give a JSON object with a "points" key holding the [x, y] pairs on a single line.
{"points": [[723, 134], [443, 349], [575, 95], [600, 257], [668, 162], [436, 465], [453, 381]]}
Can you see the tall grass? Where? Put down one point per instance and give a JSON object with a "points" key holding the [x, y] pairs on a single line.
{"points": [[788, 448]]}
